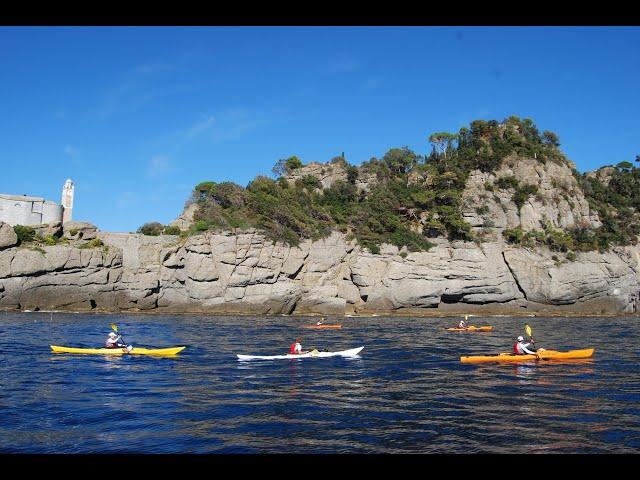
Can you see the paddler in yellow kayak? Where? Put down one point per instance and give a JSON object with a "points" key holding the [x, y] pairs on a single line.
{"points": [[463, 323], [116, 341]]}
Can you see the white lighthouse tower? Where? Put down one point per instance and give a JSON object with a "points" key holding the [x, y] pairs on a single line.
{"points": [[67, 200]]}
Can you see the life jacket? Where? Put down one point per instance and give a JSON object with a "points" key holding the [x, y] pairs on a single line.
{"points": [[292, 349], [515, 349]]}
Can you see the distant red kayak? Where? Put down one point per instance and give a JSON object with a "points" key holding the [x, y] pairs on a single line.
{"points": [[322, 326]]}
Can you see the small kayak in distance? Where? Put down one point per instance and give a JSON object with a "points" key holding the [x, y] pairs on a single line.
{"points": [[542, 355], [322, 326], [314, 353], [119, 351], [485, 328]]}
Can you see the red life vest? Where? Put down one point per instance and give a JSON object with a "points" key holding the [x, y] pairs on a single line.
{"points": [[292, 349], [515, 348]]}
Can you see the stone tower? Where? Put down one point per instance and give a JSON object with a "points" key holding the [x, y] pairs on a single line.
{"points": [[67, 200]]}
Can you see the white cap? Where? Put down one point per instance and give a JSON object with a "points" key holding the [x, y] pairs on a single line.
{"points": [[520, 338], [112, 335]]}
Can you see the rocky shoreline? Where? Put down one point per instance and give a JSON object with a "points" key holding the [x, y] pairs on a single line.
{"points": [[242, 272]]}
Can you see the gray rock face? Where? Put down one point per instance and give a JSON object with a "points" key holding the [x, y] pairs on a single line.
{"points": [[242, 272], [53, 229], [329, 173], [185, 219], [8, 237], [559, 199], [79, 231]]}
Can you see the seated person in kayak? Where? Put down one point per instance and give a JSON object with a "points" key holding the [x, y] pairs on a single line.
{"points": [[296, 348], [113, 341], [463, 323], [521, 348], [320, 322]]}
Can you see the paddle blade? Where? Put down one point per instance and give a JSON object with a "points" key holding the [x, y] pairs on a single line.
{"points": [[527, 329], [114, 327]]}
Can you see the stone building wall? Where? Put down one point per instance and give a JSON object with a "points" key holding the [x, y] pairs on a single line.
{"points": [[25, 210]]}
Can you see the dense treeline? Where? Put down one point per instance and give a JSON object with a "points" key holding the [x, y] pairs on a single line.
{"points": [[412, 198]]}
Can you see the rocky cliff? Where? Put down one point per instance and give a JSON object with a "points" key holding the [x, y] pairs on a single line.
{"points": [[243, 272]]}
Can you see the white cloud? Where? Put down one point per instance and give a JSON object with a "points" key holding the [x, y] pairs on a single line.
{"points": [[126, 199], [71, 151], [371, 84], [236, 123], [345, 63], [154, 67], [200, 126], [158, 165]]}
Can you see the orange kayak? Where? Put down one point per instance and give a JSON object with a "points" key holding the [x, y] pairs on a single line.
{"points": [[322, 326], [541, 355], [486, 328]]}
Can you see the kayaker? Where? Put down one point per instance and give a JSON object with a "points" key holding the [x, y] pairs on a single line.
{"points": [[296, 348], [521, 348], [463, 323], [320, 321], [113, 341]]}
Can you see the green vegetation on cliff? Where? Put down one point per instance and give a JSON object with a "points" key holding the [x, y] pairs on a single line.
{"points": [[617, 204], [618, 207], [405, 198]]}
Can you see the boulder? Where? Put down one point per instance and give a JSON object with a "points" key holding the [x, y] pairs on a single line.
{"points": [[79, 231], [8, 237], [52, 229]]}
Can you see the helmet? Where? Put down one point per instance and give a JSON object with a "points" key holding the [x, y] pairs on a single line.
{"points": [[520, 338], [112, 335]]}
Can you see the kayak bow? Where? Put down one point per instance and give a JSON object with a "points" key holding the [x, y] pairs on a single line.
{"points": [[314, 353], [541, 355], [119, 351], [485, 328]]}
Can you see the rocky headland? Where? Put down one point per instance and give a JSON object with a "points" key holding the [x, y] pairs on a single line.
{"points": [[245, 270]]}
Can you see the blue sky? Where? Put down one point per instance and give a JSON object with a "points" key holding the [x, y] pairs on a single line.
{"points": [[137, 116]]}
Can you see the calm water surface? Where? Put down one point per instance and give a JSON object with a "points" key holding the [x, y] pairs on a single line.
{"points": [[406, 392]]}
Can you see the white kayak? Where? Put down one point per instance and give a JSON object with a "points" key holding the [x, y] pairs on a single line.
{"points": [[313, 353]]}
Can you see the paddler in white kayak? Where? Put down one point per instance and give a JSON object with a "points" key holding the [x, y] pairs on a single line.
{"points": [[296, 348]]}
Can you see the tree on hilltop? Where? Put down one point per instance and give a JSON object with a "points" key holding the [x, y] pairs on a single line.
{"points": [[286, 165], [442, 141]]}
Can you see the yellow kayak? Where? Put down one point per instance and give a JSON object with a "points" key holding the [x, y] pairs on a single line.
{"points": [[119, 351], [485, 328], [541, 355]]}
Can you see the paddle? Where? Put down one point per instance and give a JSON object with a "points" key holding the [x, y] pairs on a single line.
{"points": [[529, 332]]}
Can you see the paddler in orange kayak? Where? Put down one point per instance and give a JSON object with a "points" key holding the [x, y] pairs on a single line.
{"points": [[320, 322], [522, 348], [463, 323]]}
